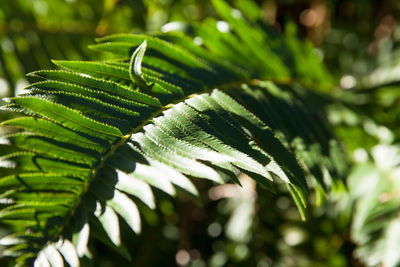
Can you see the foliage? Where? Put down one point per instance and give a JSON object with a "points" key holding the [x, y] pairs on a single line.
{"points": [[120, 142], [106, 129]]}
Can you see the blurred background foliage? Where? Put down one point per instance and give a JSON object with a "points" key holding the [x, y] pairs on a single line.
{"points": [[359, 42]]}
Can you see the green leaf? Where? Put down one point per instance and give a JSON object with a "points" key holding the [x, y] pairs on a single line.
{"points": [[127, 209], [54, 131], [95, 69], [67, 117], [185, 165], [300, 200], [135, 187], [68, 252], [122, 91], [109, 221], [135, 65]]}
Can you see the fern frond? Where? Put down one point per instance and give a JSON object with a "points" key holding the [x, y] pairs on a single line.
{"points": [[100, 135]]}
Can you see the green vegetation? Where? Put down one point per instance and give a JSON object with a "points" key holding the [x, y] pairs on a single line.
{"points": [[219, 140]]}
